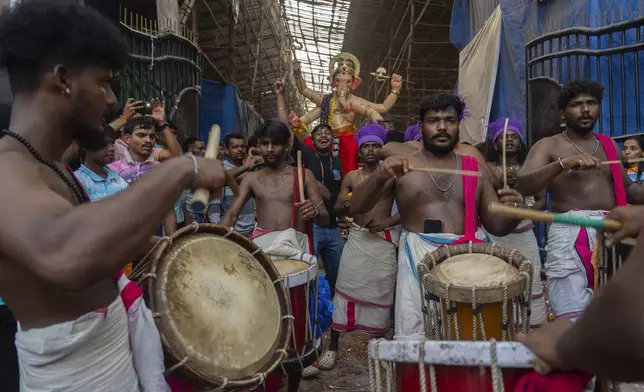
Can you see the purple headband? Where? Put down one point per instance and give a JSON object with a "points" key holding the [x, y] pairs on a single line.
{"points": [[371, 133], [495, 129], [413, 133]]}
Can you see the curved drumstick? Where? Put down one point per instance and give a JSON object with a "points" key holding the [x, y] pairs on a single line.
{"points": [[446, 171], [300, 180], [550, 217], [505, 164], [201, 196]]}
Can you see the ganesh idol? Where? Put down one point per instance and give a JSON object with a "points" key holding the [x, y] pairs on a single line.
{"points": [[340, 107]]}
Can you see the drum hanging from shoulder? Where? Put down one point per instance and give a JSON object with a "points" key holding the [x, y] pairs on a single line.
{"points": [[220, 307], [483, 292], [447, 366], [300, 279]]}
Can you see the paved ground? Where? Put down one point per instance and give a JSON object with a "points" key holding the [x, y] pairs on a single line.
{"points": [[351, 373]]}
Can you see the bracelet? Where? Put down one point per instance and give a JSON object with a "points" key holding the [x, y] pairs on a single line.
{"points": [[123, 117], [395, 92], [163, 126], [195, 163], [561, 164], [281, 108]]}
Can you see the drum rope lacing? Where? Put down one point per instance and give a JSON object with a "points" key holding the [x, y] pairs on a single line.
{"points": [[497, 376]]}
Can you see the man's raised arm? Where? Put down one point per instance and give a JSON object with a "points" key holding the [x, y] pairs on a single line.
{"points": [[72, 247]]}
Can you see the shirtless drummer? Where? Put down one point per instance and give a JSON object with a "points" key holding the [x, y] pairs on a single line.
{"points": [[435, 209], [57, 257], [364, 292], [567, 165], [280, 207]]}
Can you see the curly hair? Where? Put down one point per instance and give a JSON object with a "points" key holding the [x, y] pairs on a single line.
{"points": [[35, 35], [440, 102], [577, 87]]}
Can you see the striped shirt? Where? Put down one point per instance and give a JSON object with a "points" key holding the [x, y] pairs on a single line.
{"points": [[97, 187]]}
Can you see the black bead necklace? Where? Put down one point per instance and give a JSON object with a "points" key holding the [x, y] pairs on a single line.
{"points": [[73, 186]]}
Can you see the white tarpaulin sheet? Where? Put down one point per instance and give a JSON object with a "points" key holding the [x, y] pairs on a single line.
{"points": [[478, 65]]}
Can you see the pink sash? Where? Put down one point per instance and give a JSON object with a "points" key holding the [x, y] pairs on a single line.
{"points": [[469, 196], [615, 169]]}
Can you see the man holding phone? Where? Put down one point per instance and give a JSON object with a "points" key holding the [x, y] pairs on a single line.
{"points": [[435, 209]]}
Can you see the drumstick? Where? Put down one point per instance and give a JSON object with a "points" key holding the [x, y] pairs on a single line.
{"points": [[201, 195], [636, 160], [505, 165], [446, 171], [300, 180], [550, 217]]}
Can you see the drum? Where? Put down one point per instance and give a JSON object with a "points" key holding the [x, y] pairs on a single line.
{"points": [[447, 366], [300, 279], [220, 307], [475, 291]]}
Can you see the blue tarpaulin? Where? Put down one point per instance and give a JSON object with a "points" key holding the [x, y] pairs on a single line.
{"points": [[220, 104], [521, 17]]}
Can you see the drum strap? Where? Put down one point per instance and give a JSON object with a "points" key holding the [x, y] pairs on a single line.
{"points": [[469, 196], [615, 168]]}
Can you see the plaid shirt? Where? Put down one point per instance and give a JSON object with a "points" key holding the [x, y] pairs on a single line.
{"points": [[97, 187]]}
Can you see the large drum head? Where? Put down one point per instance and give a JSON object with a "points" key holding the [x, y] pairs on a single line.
{"points": [[218, 307], [453, 271], [470, 270]]}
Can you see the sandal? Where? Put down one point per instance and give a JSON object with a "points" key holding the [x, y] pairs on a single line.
{"points": [[327, 361], [310, 372]]}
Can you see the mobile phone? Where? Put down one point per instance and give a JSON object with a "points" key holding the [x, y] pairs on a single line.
{"points": [[146, 109], [433, 226]]}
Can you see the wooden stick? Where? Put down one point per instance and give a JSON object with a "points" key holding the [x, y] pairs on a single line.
{"points": [[201, 195], [300, 180], [636, 160], [550, 217], [446, 171], [505, 163]]}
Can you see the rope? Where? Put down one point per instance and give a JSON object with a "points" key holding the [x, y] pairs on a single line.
{"points": [[421, 367], [497, 377], [141, 267]]}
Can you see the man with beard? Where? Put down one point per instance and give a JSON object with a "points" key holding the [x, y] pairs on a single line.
{"points": [[367, 276], [567, 165], [194, 146], [284, 216], [434, 209], [236, 166], [522, 238], [58, 255]]}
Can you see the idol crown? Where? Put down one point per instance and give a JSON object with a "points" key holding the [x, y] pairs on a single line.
{"points": [[345, 63]]}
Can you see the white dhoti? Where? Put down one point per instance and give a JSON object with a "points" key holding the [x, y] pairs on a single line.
{"points": [[524, 240], [366, 280], [412, 249], [569, 266], [91, 353], [286, 244]]}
